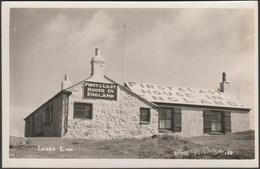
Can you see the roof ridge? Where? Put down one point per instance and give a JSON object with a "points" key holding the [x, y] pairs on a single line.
{"points": [[173, 85], [136, 95], [49, 100]]}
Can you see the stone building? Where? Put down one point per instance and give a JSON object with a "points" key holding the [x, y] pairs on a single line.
{"points": [[100, 108]]}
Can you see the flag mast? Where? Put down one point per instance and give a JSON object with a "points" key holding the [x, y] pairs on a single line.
{"points": [[124, 53]]}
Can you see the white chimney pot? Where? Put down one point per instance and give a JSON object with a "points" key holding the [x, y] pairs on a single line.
{"points": [[66, 83]]}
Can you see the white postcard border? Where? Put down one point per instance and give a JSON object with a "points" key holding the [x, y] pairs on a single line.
{"points": [[115, 163]]}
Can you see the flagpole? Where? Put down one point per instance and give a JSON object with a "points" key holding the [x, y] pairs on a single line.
{"points": [[124, 52]]}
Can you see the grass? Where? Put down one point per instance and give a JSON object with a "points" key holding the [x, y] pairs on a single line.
{"points": [[230, 146]]}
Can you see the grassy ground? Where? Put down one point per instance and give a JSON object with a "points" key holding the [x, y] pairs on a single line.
{"points": [[230, 146]]}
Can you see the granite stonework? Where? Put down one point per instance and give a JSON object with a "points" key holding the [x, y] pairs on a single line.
{"points": [[112, 119]]}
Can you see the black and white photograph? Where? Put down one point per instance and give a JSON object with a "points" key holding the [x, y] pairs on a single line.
{"points": [[130, 84]]}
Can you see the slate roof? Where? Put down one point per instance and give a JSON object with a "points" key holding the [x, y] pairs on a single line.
{"points": [[185, 95]]}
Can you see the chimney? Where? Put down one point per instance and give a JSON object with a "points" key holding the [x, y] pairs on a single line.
{"points": [[223, 77], [66, 83], [97, 52], [97, 64], [224, 85]]}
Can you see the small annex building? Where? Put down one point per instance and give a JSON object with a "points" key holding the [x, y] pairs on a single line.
{"points": [[100, 108]]}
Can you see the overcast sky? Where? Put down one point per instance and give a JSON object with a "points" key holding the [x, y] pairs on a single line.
{"points": [[179, 47]]}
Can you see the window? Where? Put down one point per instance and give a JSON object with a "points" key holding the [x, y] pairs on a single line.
{"points": [[170, 119], [27, 126], [144, 114], [48, 114], [28, 122], [216, 121], [51, 114], [43, 116], [165, 118], [36, 122], [82, 110]]}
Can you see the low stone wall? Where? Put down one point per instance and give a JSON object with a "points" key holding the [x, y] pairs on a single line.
{"points": [[111, 119]]}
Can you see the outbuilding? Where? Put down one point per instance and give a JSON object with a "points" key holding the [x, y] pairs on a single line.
{"points": [[100, 108]]}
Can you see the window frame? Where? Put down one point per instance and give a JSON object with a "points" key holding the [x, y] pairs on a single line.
{"points": [[48, 117], [209, 118], [148, 115], [51, 113], [217, 121], [165, 118], [47, 114], [84, 104], [36, 122]]}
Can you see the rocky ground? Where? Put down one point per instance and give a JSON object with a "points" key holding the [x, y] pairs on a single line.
{"points": [[230, 146]]}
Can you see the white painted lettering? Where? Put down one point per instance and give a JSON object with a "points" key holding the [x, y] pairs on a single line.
{"points": [[160, 87], [110, 91], [211, 92], [188, 101], [189, 95], [232, 103], [192, 91], [172, 99], [149, 86], [218, 102], [220, 93], [181, 90], [147, 91], [61, 148], [41, 148], [65, 148], [156, 92], [131, 83], [201, 91], [157, 98], [142, 85], [178, 94], [167, 93], [168, 87], [208, 97], [217, 97], [204, 101]]}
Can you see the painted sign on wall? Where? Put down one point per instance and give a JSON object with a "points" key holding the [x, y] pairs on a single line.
{"points": [[100, 90], [184, 95]]}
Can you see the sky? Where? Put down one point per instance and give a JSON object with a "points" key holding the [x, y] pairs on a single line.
{"points": [[178, 47]]}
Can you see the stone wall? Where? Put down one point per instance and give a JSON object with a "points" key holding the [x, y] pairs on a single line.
{"points": [[112, 119], [48, 130], [240, 121]]}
